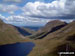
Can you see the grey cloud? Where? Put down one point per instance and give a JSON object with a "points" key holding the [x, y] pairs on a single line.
{"points": [[8, 8], [56, 9], [15, 1]]}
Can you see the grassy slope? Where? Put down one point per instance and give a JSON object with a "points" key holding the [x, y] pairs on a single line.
{"points": [[8, 34], [49, 46], [29, 30], [48, 28]]}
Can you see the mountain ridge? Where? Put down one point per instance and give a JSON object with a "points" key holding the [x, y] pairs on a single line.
{"points": [[50, 27], [8, 34], [55, 42]]}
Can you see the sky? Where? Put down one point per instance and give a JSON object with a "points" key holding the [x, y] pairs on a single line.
{"points": [[36, 12]]}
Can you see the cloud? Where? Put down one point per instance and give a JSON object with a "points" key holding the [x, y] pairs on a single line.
{"points": [[8, 8], [2, 17], [39, 13], [67, 20], [25, 20], [20, 20], [15, 1], [55, 9]]}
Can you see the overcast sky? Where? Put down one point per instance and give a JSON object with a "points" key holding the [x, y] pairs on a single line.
{"points": [[36, 12]]}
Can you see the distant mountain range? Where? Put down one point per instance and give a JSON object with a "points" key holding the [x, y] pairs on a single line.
{"points": [[56, 36], [50, 27], [61, 39], [35, 28]]}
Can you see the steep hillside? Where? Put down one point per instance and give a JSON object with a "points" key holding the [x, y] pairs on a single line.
{"points": [[50, 27], [56, 42], [8, 34], [23, 31], [29, 30], [57, 24]]}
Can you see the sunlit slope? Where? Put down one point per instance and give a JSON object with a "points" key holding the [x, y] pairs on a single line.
{"points": [[50, 27], [8, 34], [56, 42]]}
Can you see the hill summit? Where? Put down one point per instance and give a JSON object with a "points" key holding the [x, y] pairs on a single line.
{"points": [[60, 40], [50, 27]]}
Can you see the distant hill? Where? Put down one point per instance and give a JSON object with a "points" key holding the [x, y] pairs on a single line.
{"points": [[58, 41], [34, 28], [29, 30], [8, 34], [50, 27], [25, 31]]}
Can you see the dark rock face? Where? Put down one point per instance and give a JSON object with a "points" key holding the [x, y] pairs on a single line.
{"points": [[71, 38], [62, 40], [22, 31], [53, 30], [52, 26], [65, 48]]}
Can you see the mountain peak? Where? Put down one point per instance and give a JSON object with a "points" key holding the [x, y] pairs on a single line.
{"points": [[50, 27], [53, 24]]}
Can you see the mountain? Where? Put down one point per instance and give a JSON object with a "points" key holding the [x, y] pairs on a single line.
{"points": [[50, 27], [56, 36], [34, 28], [52, 24], [25, 31], [29, 30], [8, 34], [61, 40]]}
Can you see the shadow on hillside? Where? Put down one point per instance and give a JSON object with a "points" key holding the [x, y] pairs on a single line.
{"points": [[65, 48], [22, 31], [53, 30], [62, 48], [71, 38]]}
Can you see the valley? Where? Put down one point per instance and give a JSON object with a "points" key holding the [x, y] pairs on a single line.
{"points": [[48, 40]]}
